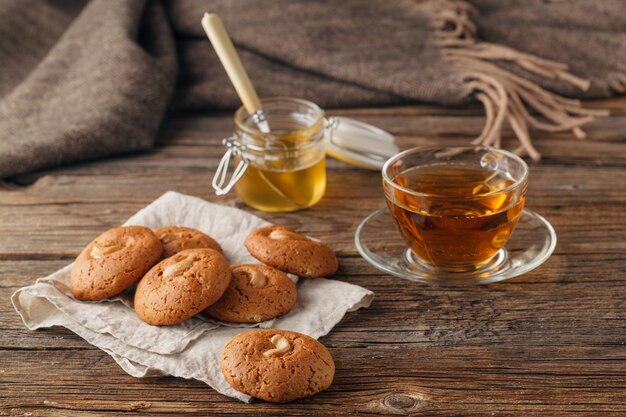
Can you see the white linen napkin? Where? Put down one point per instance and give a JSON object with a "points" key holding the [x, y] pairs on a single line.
{"points": [[192, 348]]}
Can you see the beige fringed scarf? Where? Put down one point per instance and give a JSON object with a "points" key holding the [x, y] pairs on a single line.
{"points": [[506, 96], [81, 80]]}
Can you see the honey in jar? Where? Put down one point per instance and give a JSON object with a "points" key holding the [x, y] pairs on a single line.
{"points": [[286, 190], [280, 167]]}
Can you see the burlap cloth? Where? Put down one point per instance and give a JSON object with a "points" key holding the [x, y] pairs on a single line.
{"points": [[84, 79]]}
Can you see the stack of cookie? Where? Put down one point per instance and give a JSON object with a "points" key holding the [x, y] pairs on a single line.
{"points": [[181, 272]]}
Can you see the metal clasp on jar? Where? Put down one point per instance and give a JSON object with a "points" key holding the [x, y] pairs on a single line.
{"points": [[233, 149]]}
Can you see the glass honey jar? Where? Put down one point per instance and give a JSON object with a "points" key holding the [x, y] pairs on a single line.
{"points": [[279, 156]]}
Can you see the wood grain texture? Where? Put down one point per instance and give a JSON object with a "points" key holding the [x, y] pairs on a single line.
{"points": [[552, 342]]}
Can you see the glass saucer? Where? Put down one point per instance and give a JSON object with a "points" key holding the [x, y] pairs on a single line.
{"points": [[378, 240]]}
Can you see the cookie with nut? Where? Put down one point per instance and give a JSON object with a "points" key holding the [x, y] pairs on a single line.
{"points": [[177, 238], [277, 365], [114, 261], [283, 248], [181, 286], [256, 293]]}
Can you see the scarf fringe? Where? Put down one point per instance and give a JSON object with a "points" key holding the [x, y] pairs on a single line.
{"points": [[504, 95]]}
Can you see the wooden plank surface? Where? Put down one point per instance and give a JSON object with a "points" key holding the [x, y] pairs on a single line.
{"points": [[552, 342]]}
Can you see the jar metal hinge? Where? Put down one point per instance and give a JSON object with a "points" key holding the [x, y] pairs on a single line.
{"points": [[233, 149]]}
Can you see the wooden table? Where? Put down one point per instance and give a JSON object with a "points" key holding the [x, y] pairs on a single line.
{"points": [[550, 342]]}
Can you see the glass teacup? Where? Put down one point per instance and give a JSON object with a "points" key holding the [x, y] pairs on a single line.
{"points": [[456, 207]]}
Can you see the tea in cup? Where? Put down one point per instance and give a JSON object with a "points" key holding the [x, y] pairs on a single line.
{"points": [[456, 207]]}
